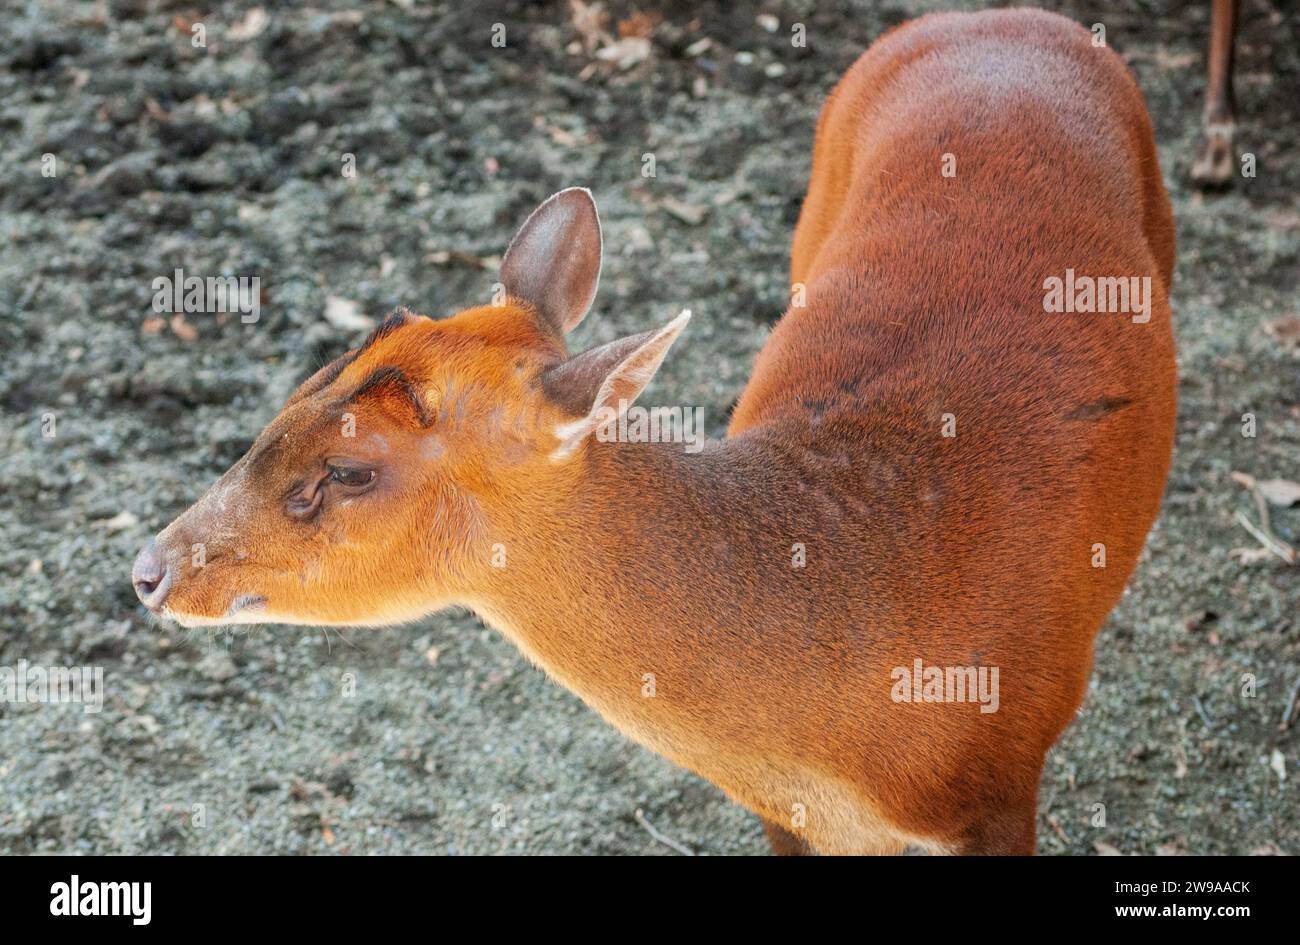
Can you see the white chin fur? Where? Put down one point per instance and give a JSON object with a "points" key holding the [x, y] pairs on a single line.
{"points": [[248, 615], [254, 613]]}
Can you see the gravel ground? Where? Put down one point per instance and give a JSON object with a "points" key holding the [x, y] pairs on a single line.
{"points": [[226, 159]]}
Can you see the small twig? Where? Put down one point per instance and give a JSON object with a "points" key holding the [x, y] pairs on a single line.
{"points": [[1264, 534], [1248, 481], [1289, 714], [1060, 831], [1269, 541], [666, 841], [1249, 555], [1205, 716], [1261, 504]]}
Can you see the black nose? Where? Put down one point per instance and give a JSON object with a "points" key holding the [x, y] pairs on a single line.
{"points": [[151, 576]]}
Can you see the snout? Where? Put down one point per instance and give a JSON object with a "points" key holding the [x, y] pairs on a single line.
{"points": [[152, 576]]}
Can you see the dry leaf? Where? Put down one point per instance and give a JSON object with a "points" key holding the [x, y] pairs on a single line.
{"points": [[444, 257], [1171, 60], [686, 212], [118, 522], [345, 315], [1105, 849], [183, 329], [591, 22], [1280, 492], [1250, 555], [1277, 761], [627, 52], [560, 136], [1285, 331], [638, 25], [157, 112], [253, 25], [184, 22]]}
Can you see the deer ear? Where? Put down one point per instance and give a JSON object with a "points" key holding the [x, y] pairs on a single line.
{"points": [[553, 263], [602, 382]]}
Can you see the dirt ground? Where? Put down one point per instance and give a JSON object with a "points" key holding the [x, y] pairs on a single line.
{"points": [[226, 159]]}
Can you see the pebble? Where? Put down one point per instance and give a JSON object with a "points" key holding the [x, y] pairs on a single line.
{"points": [[217, 666]]}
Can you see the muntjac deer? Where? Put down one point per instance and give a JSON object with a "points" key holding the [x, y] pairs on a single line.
{"points": [[868, 612]]}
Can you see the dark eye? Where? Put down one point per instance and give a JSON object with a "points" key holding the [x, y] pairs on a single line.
{"points": [[352, 477]]}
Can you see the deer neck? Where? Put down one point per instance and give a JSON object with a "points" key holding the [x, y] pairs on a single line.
{"points": [[631, 569]]}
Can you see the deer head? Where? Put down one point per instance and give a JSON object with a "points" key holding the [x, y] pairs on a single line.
{"points": [[379, 492]]}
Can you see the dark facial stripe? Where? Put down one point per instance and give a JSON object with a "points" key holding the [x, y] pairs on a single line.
{"points": [[335, 369], [330, 373], [323, 377], [392, 378]]}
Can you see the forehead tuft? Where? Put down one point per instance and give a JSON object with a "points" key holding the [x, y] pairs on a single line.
{"points": [[479, 344], [403, 341], [396, 319]]}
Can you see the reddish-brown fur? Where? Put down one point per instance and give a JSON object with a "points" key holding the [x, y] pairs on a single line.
{"points": [[661, 586]]}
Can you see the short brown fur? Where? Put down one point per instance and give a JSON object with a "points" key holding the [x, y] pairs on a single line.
{"points": [[635, 568]]}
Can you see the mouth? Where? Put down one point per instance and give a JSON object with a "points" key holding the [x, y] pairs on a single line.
{"points": [[245, 608]]}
